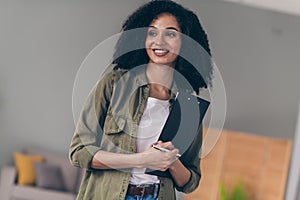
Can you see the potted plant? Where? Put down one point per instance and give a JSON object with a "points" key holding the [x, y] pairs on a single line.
{"points": [[238, 192]]}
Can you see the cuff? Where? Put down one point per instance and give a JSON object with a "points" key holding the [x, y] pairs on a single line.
{"points": [[84, 157], [192, 184]]}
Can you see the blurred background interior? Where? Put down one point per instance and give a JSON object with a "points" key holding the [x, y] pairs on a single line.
{"points": [[255, 45]]}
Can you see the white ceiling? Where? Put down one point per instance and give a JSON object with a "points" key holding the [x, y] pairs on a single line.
{"points": [[285, 6]]}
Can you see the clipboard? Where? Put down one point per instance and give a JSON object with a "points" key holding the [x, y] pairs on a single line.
{"points": [[183, 118]]}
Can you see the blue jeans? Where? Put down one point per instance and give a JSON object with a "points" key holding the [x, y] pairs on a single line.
{"points": [[146, 197]]}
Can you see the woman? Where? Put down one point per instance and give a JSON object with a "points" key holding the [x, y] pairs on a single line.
{"points": [[130, 106]]}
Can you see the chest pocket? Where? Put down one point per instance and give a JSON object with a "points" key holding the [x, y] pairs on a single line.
{"points": [[116, 138], [113, 125]]}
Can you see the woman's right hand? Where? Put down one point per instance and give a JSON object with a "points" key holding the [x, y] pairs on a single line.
{"points": [[159, 160]]}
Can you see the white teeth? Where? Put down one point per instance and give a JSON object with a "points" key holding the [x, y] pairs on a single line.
{"points": [[160, 51]]}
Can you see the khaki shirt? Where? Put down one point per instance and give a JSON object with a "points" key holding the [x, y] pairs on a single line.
{"points": [[99, 129]]}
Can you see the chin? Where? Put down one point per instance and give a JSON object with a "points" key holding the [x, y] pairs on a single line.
{"points": [[163, 61]]}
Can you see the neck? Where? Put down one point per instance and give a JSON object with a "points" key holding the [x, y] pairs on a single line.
{"points": [[160, 74]]}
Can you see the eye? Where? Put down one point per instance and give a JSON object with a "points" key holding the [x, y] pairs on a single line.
{"points": [[152, 33], [171, 34]]}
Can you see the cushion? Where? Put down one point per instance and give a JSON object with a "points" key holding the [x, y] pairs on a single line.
{"points": [[25, 168], [69, 172], [49, 176]]}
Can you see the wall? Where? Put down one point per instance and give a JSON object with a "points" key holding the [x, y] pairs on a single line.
{"points": [[287, 6], [42, 46]]}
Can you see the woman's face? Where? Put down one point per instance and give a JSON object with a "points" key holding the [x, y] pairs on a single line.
{"points": [[163, 40]]}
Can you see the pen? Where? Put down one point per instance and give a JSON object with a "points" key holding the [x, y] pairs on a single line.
{"points": [[164, 150]]}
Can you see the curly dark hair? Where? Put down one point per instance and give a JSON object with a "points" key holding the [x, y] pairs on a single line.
{"points": [[189, 25]]}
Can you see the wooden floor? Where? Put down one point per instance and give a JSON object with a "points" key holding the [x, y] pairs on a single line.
{"points": [[260, 163]]}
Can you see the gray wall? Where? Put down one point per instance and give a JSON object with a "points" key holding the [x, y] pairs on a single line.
{"points": [[42, 46]]}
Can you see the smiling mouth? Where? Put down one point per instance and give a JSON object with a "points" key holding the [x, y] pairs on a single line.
{"points": [[160, 52]]}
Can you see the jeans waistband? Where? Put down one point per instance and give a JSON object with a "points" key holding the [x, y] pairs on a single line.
{"points": [[143, 189]]}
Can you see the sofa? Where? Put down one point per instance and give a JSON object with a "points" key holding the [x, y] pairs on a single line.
{"points": [[71, 176]]}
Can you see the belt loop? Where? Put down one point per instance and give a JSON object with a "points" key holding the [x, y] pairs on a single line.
{"points": [[156, 190]]}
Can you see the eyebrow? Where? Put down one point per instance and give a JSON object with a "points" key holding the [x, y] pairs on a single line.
{"points": [[169, 28]]}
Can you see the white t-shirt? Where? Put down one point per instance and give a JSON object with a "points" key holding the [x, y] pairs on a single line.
{"points": [[152, 122]]}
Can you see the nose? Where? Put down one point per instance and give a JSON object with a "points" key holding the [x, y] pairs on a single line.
{"points": [[160, 39]]}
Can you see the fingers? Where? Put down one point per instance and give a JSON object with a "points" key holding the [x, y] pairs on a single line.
{"points": [[158, 142], [162, 159], [163, 169], [167, 145], [168, 163]]}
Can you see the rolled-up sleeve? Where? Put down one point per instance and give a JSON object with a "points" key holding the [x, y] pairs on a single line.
{"points": [[192, 184], [191, 160], [86, 139]]}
